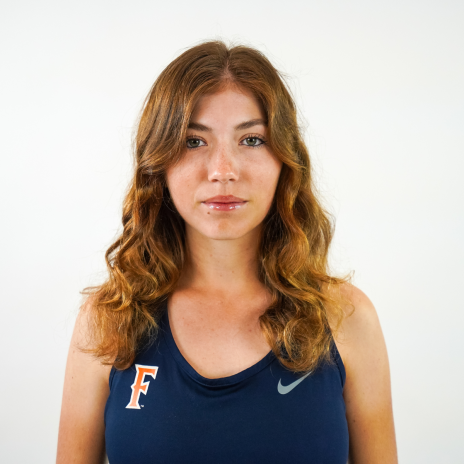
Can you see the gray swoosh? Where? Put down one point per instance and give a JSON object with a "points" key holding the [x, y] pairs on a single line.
{"points": [[288, 388]]}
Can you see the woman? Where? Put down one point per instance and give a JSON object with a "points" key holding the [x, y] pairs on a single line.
{"points": [[220, 336]]}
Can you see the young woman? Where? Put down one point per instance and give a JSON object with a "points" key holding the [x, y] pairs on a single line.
{"points": [[219, 336]]}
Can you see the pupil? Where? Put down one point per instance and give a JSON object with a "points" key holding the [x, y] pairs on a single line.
{"points": [[252, 141]]}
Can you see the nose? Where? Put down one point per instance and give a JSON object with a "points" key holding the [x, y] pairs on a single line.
{"points": [[223, 165]]}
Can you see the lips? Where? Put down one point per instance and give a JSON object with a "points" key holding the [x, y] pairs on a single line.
{"points": [[224, 202], [224, 199]]}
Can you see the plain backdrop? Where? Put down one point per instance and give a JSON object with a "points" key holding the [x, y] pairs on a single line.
{"points": [[379, 86]]}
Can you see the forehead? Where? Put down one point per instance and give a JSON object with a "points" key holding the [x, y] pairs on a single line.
{"points": [[229, 104]]}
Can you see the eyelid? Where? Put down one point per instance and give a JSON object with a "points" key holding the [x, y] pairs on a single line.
{"points": [[196, 137], [255, 136]]}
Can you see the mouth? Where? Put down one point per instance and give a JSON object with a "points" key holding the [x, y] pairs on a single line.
{"points": [[224, 203]]}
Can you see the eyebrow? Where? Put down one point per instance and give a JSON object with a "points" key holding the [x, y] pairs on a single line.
{"points": [[241, 126]]}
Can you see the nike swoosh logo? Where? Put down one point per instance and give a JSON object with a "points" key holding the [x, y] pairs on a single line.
{"points": [[283, 390]]}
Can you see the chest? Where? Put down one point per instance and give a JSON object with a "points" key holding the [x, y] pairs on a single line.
{"points": [[217, 342], [247, 417]]}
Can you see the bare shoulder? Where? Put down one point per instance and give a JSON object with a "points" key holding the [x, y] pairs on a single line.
{"points": [[82, 340], [86, 389], [359, 339], [82, 333], [360, 316], [367, 390]]}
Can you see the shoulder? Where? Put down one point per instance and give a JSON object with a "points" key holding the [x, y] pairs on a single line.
{"points": [[362, 347], [82, 333], [82, 343], [360, 318], [359, 338], [85, 391], [367, 390]]}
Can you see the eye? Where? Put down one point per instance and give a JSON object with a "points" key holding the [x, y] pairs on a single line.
{"points": [[195, 142], [253, 141]]}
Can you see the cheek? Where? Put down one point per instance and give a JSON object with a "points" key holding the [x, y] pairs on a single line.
{"points": [[267, 176], [181, 184]]}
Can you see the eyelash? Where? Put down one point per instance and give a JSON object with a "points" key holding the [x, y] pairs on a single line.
{"points": [[249, 136]]}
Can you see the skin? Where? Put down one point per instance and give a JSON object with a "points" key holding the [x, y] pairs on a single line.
{"points": [[221, 269], [219, 294]]}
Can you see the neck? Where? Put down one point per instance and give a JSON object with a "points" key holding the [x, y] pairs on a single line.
{"points": [[221, 267]]}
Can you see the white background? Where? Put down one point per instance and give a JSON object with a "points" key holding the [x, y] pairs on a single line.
{"points": [[380, 89]]}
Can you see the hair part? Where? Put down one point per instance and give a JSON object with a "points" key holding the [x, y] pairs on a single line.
{"points": [[144, 264]]}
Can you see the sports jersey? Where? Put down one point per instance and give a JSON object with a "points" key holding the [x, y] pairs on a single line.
{"points": [[160, 410]]}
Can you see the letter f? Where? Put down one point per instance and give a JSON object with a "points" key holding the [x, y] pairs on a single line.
{"points": [[139, 386]]}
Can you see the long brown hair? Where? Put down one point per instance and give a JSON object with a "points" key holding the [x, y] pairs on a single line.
{"points": [[145, 262]]}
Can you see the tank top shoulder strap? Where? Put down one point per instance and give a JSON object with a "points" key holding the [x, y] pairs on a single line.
{"points": [[335, 355]]}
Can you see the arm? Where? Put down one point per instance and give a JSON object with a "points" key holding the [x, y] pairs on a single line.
{"points": [[367, 390], [81, 437]]}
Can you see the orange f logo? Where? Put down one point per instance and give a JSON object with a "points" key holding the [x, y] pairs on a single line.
{"points": [[139, 386]]}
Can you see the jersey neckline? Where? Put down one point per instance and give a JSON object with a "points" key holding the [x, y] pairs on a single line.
{"points": [[219, 382]]}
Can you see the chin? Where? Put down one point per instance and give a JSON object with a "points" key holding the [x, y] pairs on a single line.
{"points": [[230, 233], [225, 230]]}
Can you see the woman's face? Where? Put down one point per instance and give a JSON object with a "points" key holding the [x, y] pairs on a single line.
{"points": [[225, 182]]}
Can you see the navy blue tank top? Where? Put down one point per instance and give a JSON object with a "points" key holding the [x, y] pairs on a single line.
{"points": [[160, 410]]}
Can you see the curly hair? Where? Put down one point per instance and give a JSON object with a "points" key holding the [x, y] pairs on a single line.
{"points": [[146, 261]]}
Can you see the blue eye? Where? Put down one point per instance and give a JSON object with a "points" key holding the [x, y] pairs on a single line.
{"points": [[194, 142]]}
